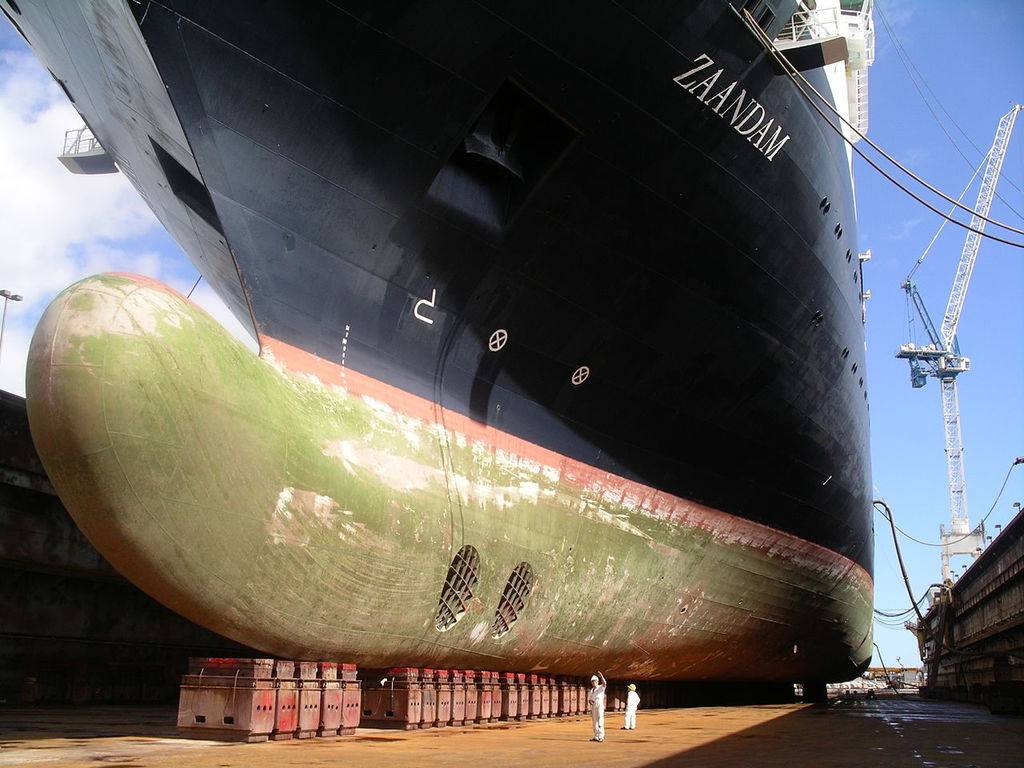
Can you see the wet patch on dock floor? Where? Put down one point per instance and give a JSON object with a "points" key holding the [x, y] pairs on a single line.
{"points": [[887, 732]]}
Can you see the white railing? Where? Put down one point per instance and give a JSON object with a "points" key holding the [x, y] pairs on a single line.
{"points": [[808, 24], [859, 101], [79, 141], [858, 30]]}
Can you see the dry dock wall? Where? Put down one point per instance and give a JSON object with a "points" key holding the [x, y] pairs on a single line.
{"points": [[71, 629], [981, 623]]}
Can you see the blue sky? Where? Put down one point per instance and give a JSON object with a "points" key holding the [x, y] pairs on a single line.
{"points": [[55, 228], [971, 56]]}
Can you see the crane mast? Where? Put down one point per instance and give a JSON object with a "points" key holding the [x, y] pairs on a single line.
{"points": [[941, 357]]}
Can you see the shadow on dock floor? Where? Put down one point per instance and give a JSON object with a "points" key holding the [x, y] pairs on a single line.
{"points": [[20, 724], [887, 732]]}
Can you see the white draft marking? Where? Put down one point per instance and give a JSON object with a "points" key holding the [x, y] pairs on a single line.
{"points": [[344, 352], [497, 340], [430, 304]]}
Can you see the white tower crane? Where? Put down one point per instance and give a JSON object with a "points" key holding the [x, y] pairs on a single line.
{"points": [[941, 357]]}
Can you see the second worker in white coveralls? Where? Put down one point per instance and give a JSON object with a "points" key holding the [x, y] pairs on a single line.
{"points": [[596, 699], [632, 704]]}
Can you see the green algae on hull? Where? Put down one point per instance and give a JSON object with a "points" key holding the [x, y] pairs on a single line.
{"points": [[311, 521]]}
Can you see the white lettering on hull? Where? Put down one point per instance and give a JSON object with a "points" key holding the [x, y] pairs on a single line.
{"points": [[745, 115]]}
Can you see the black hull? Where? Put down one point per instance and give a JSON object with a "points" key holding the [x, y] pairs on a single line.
{"points": [[710, 291], [663, 251]]}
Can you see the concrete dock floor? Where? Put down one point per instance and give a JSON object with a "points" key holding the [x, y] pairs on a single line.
{"points": [[887, 732]]}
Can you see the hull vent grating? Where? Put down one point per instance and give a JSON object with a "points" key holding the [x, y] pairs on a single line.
{"points": [[463, 575], [513, 600]]}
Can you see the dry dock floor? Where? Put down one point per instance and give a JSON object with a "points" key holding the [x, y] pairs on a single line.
{"points": [[887, 732]]}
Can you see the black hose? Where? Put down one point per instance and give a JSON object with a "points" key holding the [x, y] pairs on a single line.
{"points": [[886, 671], [899, 556]]}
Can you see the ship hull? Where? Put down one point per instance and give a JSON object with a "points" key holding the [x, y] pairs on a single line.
{"points": [[526, 220], [275, 501]]}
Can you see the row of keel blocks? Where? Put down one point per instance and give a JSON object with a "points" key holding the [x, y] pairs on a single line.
{"points": [[409, 698], [254, 700]]}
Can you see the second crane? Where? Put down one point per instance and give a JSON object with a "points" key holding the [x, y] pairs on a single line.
{"points": [[942, 358]]}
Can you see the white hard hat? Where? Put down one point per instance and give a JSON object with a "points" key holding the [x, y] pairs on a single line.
{"points": [[593, 678]]}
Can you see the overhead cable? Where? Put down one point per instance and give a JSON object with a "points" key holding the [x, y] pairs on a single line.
{"points": [[792, 73], [924, 626], [946, 219], [786, 66], [899, 557], [999, 495], [908, 64], [896, 615]]}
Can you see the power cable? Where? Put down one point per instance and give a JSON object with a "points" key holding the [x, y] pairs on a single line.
{"points": [[923, 625], [893, 615], [904, 58], [945, 220], [897, 622], [882, 615], [899, 556], [892, 621], [792, 73], [888, 677], [1006, 479], [786, 66]]}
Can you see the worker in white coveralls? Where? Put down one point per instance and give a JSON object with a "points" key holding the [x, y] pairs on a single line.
{"points": [[596, 699], [632, 703]]}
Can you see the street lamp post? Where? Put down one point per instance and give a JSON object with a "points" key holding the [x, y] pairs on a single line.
{"points": [[8, 296]]}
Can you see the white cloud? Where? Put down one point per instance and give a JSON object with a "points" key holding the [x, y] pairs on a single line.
{"points": [[893, 18], [48, 213], [902, 230], [14, 354], [56, 227], [900, 15]]}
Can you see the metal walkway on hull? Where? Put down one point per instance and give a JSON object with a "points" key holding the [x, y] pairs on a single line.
{"points": [[83, 153]]}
